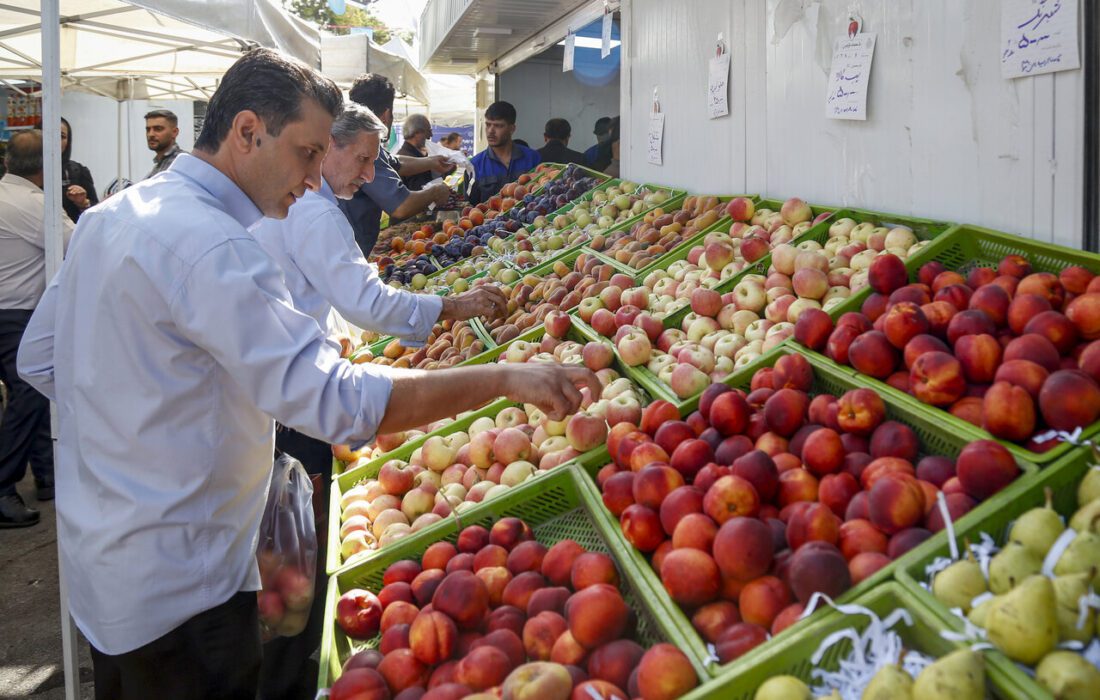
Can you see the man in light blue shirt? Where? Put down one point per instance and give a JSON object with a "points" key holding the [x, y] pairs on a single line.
{"points": [[168, 341]]}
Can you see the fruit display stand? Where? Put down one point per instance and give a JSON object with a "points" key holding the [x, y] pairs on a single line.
{"points": [[961, 249], [557, 506], [827, 379], [1001, 511], [791, 654]]}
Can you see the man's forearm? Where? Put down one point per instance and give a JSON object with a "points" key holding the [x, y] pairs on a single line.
{"points": [[417, 398], [415, 203], [411, 165]]}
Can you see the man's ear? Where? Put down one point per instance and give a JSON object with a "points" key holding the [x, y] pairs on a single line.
{"points": [[245, 131]]}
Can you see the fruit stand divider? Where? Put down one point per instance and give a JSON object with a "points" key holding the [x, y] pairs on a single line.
{"points": [[557, 506], [934, 440], [963, 248], [345, 481], [791, 654], [1062, 479]]}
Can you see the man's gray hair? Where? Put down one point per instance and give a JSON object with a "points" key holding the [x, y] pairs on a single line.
{"points": [[415, 124], [355, 119]]}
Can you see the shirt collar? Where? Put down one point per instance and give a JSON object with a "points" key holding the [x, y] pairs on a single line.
{"points": [[10, 179], [326, 191], [167, 154], [232, 198]]}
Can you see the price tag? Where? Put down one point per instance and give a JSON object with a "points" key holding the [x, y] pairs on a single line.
{"points": [[656, 138], [567, 57], [718, 83], [849, 77], [1038, 36], [605, 34]]}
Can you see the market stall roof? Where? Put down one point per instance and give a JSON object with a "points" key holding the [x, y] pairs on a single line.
{"points": [[149, 49], [469, 36]]}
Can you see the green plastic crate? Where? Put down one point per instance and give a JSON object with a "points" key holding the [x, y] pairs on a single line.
{"points": [[557, 506], [1062, 479], [791, 654], [345, 480], [963, 248], [933, 440]]}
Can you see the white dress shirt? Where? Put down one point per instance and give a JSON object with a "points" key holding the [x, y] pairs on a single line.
{"points": [[168, 341], [23, 242], [324, 269]]}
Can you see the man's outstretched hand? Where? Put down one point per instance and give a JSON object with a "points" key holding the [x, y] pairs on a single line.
{"points": [[484, 301], [555, 389]]}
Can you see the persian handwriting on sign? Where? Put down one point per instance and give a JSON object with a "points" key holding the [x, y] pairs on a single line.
{"points": [[605, 35], [846, 97], [656, 138], [1038, 36], [717, 87], [567, 56]]}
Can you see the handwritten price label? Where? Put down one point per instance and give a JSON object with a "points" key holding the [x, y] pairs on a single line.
{"points": [[1038, 36], [717, 83], [849, 77], [656, 137]]}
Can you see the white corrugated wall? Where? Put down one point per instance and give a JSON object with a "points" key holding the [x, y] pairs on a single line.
{"points": [[946, 136]]}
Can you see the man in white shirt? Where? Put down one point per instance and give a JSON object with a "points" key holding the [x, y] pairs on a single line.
{"points": [[324, 269], [25, 424], [168, 341]]}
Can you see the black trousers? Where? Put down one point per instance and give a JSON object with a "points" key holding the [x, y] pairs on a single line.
{"points": [[25, 427], [213, 656], [288, 673]]}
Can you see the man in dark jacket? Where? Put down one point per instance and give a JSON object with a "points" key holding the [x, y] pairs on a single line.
{"points": [[556, 150]]}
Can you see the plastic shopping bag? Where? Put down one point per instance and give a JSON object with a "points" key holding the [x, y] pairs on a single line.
{"points": [[287, 551]]}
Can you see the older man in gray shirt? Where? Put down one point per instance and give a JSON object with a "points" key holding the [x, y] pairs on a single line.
{"points": [[25, 428]]}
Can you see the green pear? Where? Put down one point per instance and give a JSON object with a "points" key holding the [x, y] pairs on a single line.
{"points": [[959, 584], [1038, 528], [980, 613], [1087, 517], [1068, 676], [783, 688], [889, 683], [1068, 592], [1024, 623], [1083, 554], [958, 676], [1012, 565], [1089, 488]]}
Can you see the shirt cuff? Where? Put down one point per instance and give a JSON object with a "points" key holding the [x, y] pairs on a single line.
{"points": [[423, 318]]}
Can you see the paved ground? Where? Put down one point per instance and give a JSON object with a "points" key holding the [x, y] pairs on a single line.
{"points": [[30, 626]]}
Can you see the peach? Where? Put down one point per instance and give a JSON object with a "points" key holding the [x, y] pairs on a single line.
{"points": [[818, 567], [618, 492], [690, 576], [540, 632], [980, 355], [1089, 360], [874, 307], [679, 504], [641, 526], [1075, 279], [519, 590], [936, 469], [958, 505], [729, 497], [763, 599], [395, 637], [1036, 348], [903, 322], [398, 613], [969, 409], [508, 532], [840, 342], [597, 615], [711, 619], [463, 561], [836, 491], [873, 354], [1055, 327], [936, 378], [472, 539], [672, 433], [526, 556], [797, 485], [591, 568], [405, 570], [958, 295], [896, 503], [656, 413], [893, 439], [424, 585], [860, 411], [490, 555], [402, 670], [939, 315], [464, 597], [772, 444], [1023, 308], [743, 548], [883, 466], [506, 617], [483, 667], [729, 413], [360, 684], [1022, 373], [654, 483], [695, 531], [437, 555], [759, 469], [645, 454], [1008, 412], [969, 322], [507, 641], [887, 273], [496, 579], [1084, 313], [815, 522], [432, 637], [906, 540], [1014, 266], [792, 372], [915, 293], [597, 690], [864, 565], [860, 535], [823, 452], [441, 691], [984, 467], [548, 599], [738, 640], [785, 410], [813, 328], [1069, 399], [665, 673]]}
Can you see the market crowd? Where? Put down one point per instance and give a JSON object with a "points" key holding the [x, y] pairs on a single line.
{"points": [[192, 312]]}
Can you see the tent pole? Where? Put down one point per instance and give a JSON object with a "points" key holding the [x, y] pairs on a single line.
{"points": [[51, 161]]}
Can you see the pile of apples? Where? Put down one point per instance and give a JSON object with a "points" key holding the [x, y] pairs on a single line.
{"points": [[1007, 349], [452, 473], [500, 614], [659, 231], [285, 597], [755, 502], [1029, 601]]}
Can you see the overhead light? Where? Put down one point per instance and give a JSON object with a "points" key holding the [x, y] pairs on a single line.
{"points": [[492, 31], [465, 60], [589, 42]]}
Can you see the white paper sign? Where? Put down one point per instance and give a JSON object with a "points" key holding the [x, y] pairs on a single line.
{"points": [[567, 57], [605, 35], [656, 138], [849, 77], [717, 87], [1038, 36]]}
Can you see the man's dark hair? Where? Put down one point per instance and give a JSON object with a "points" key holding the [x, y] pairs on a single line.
{"points": [[24, 155], [164, 114], [602, 126], [452, 136], [501, 111], [374, 91], [558, 129], [271, 85]]}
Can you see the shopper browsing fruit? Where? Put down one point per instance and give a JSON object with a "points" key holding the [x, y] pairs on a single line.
{"points": [[169, 342], [504, 160]]}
